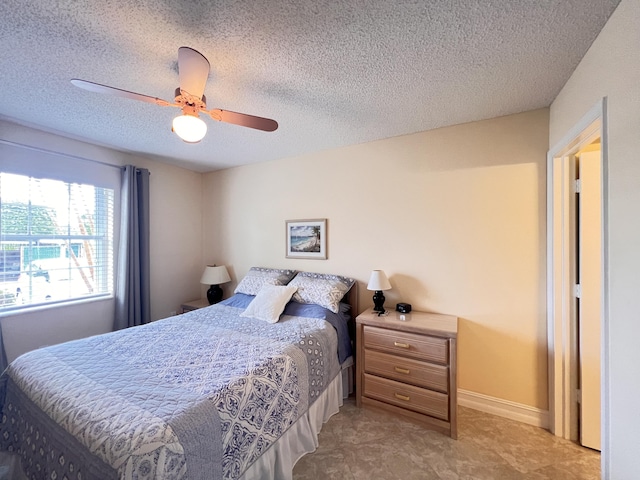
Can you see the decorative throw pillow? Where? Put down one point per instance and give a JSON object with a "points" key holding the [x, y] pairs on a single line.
{"points": [[269, 303], [322, 289], [257, 277]]}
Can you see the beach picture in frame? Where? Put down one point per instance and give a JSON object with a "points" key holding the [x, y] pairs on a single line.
{"points": [[307, 238]]}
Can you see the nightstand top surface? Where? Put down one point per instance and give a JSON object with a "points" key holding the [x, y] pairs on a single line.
{"points": [[419, 322], [195, 304]]}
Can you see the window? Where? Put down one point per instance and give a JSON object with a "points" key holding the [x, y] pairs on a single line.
{"points": [[56, 240]]}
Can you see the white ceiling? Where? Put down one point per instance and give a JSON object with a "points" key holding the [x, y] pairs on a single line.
{"points": [[332, 73]]}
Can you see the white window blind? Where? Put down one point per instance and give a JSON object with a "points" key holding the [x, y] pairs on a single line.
{"points": [[56, 240]]}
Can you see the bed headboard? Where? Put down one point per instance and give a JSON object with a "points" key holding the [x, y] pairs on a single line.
{"points": [[352, 299]]}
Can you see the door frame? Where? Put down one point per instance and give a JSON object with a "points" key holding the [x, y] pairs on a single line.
{"points": [[562, 362]]}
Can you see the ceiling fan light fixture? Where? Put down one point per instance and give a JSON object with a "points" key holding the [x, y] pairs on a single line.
{"points": [[190, 128], [193, 71]]}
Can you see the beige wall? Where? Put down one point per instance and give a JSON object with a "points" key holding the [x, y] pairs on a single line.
{"points": [[176, 223], [611, 68], [455, 217]]}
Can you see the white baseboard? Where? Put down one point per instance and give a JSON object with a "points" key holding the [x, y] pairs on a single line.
{"points": [[504, 408]]}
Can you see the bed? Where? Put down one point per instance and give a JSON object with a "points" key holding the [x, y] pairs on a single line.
{"points": [[235, 390]]}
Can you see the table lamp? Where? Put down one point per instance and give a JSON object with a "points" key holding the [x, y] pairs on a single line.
{"points": [[378, 282], [215, 275]]}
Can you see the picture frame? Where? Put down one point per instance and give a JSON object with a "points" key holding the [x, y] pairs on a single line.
{"points": [[306, 238]]}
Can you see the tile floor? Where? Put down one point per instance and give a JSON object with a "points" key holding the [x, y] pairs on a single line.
{"points": [[371, 444]]}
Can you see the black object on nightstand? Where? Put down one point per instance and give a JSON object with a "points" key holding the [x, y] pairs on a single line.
{"points": [[403, 307], [214, 294]]}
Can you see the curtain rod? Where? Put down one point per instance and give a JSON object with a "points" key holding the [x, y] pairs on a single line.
{"points": [[51, 152]]}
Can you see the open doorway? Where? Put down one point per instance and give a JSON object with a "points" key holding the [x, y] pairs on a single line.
{"points": [[576, 251], [588, 296]]}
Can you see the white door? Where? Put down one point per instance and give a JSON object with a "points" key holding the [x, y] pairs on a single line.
{"points": [[589, 302]]}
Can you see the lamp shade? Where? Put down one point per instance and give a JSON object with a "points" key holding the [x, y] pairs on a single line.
{"points": [[215, 275], [378, 281], [189, 128]]}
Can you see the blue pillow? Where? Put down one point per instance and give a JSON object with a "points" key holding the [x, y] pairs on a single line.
{"points": [[239, 300]]}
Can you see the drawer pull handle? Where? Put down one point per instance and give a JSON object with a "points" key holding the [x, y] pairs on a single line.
{"points": [[401, 345], [406, 371], [399, 396]]}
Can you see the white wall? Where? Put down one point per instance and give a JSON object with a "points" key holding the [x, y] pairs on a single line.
{"points": [[455, 217], [611, 68], [176, 233]]}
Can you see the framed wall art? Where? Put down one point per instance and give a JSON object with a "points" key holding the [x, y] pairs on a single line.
{"points": [[307, 238]]}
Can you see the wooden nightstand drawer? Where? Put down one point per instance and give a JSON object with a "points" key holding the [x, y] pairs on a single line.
{"points": [[418, 399], [424, 347], [415, 372]]}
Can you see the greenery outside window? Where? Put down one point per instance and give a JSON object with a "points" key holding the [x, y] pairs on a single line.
{"points": [[56, 241]]}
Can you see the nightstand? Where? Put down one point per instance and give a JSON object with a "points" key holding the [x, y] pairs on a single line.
{"points": [[406, 364], [194, 305]]}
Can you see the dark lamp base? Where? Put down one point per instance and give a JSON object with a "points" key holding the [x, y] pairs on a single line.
{"points": [[214, 294], [378, 301]]}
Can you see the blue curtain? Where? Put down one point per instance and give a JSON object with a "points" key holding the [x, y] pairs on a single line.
{"points": [[3, 355], [133, 301]]}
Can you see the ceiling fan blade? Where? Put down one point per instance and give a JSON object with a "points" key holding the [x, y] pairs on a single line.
{"points": [[193, 70], [97, 88], [244, 120]]}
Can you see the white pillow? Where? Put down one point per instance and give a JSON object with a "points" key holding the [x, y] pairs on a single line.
{"points": [[269, 303], [256, 277], [321, 289]]}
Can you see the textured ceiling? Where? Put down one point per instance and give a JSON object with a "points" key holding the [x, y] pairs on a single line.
{"points": [[332, 73]]}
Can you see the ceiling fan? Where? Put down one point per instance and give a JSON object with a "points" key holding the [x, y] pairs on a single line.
{"points": [[193, 71]]}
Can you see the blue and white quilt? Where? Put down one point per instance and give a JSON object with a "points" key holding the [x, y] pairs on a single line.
{"points": [[198, 396]]}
